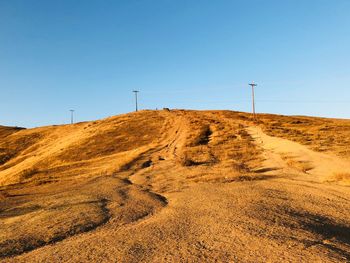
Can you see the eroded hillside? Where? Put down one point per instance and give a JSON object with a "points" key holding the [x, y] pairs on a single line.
{"points": [[176, 185]]}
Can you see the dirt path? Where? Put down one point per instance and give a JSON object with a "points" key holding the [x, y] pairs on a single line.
{"points": [[294, 158]]}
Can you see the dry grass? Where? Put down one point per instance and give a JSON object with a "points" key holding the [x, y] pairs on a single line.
{"points": [[217, 139], [45, 194], [80, 149], [6, 131], [320, 134]]}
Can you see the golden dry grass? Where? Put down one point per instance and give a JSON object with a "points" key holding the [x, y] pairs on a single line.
{"points": [[6, 131], [216, 138], [54, 165], [42, 154], [320, 134]]}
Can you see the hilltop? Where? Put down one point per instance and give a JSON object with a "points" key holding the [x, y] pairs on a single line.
{"points": [[177, 185]]}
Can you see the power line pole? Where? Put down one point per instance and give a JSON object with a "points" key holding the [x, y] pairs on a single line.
{"points": [[253, 100], [71, 116], [136, 91]]}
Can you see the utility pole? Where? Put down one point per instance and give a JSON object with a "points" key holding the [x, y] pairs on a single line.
{"points": [[136, 91], [253, 100], [71, 116]]}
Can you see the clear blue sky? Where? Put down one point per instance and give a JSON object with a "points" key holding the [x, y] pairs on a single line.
{"points": [[194, 54]]}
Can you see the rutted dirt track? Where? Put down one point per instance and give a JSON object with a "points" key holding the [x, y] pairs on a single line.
{"points": [[211, 188]]}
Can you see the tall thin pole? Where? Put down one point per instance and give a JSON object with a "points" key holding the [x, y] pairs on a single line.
{"points": [[253, 99], [71, 116], [136, 91]]}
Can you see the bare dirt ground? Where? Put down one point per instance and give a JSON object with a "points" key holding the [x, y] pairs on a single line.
{"points": [[178, 186]]}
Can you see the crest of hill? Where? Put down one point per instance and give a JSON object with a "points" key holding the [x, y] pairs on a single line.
{"points": [[49, 154], [5, 131]]}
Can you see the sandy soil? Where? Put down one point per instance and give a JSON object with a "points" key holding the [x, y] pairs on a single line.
{"points": [[212, 188], [315, 164]]}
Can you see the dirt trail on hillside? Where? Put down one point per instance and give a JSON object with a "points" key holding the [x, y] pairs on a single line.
{"points": [[289, 155], [194, 207]]}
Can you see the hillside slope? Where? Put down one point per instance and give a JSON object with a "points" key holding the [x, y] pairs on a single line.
{"points": [[157, 186]]}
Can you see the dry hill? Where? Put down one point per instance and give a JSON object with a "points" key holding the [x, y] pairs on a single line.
{"points": [[177, 186]]}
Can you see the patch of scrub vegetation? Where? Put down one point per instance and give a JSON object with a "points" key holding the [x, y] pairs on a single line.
{"points": [[219, 139]]}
